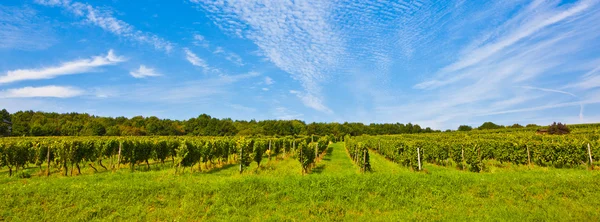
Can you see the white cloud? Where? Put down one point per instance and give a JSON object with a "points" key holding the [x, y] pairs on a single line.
{"points": [[589, 80], [200, 40], [544, 107], [242, 108], [235, 78], [311, 101], [232, 57], [43, 91], [195, 60], [144, 72], [67, 68], [105, 20], [22, 28], [269, 81], [286, 114], [184, 92], [265, 89], [533, 20], [295, 36], [530, 45]]}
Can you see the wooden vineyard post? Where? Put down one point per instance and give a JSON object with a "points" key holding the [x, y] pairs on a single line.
{"points": [[241, 159], [364, 166], [316, 151], [590, 154], [528, 156], [270, 150], [419, 158], [302, 162], [48, 162], [462, 151], [119, 156]]}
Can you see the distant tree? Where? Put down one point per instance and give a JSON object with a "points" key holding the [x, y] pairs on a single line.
{"points": [[558, 128], [113, 131], [516, 125], [448, 131], [532, 125], [30, 123], [4, 116], [464, 128], [94, 128], [489, 125]]}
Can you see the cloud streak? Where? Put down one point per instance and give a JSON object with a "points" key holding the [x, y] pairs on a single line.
{"points": [[539, 41], [22, 28], [67, 68], [105, 20], [195, 60], [42, 91], [295, 36], [144, 72]]}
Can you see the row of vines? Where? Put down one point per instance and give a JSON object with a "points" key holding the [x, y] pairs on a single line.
{"points": [[359, 153], [470, 151], [109, 153]]}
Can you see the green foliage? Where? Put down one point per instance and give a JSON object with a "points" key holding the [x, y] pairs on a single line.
{"points": [[244, 149], [29, 123], [258, 151], [359, 153], [558, 129], [489, 125], [516, 125], [470, 150], [306, 155], [464, 128]]}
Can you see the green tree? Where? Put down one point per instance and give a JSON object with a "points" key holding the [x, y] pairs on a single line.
{"points": [[489, 125], [464, 128]]}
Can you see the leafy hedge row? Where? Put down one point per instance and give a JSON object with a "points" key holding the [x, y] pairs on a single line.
{"points": [[72, 152], [469, 150], [359, 153]]}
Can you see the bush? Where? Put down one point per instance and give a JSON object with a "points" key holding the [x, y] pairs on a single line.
{"points": [[23, 175], [464, 128], [558, 129], [489, 125]]}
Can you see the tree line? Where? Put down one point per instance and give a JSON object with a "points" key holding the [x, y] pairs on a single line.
{"points": [[30, 123]]}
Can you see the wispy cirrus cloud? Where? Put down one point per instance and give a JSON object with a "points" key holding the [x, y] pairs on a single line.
{"points": [[532, 20], [105, 20], [68, 68], [42, 91], [303, 44], [232, 57], [200, 40], [195, 60], [286, 114], [180, 92], [269, 80], [311, 101], [144, 72], [540, 41], [22, 28]]}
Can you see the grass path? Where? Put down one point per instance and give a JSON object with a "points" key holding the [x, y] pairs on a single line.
{"points": [[379, 164], [334, 191], [336, 162]]}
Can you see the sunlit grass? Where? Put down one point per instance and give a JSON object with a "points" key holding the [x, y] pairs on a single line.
{"points": [[335, 190]]}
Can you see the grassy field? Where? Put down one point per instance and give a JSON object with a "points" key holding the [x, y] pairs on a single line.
{"points": [[335, 190]]}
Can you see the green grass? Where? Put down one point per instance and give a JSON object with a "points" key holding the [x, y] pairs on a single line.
{"points": [[336, 190]]}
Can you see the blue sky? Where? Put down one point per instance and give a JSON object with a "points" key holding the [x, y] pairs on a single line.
{"points": [[435, 63]]}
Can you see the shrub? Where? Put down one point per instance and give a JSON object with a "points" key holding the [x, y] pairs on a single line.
{"points": [[558, 129]]}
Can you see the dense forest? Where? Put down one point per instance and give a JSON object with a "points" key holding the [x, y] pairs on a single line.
{"points": [[30, 123]]}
